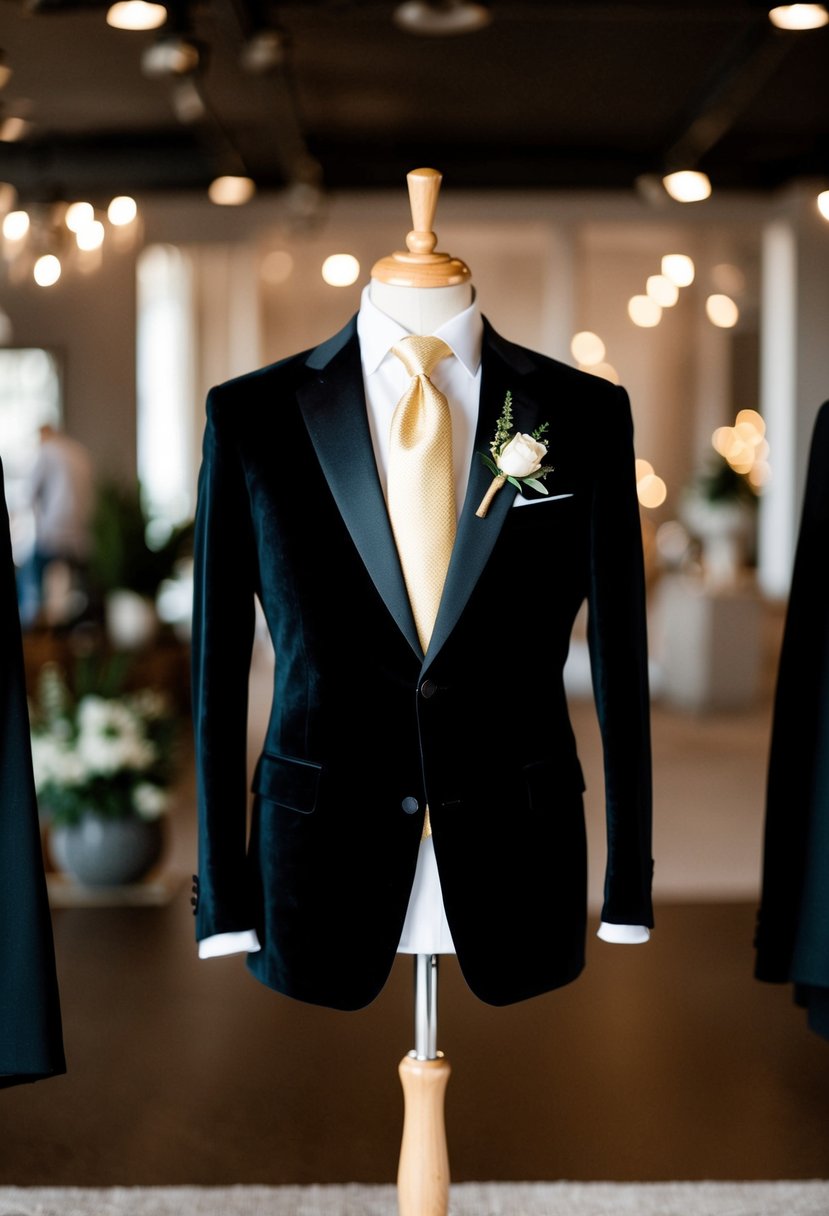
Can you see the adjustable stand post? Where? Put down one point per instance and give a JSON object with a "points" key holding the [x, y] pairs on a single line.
{"points": [[423, 1173]]}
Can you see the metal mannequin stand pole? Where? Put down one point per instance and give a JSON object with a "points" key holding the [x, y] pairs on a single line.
{"points": [[423, 1172]]}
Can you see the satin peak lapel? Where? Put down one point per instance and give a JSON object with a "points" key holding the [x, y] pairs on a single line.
{"points": [[334, 408], [504, 367]]}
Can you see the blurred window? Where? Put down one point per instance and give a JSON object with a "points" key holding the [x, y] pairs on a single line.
{"points": [[166, 383], [30, 395]]}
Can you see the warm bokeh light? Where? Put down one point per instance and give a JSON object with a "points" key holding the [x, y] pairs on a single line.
{"points": [[644, 311], [15, 225], [643, 468], [651, 490], [747, 432], [229, 191], [277, 266], [13, 128], [744, 446], [679, 268], [799, 16], [687, 185], [823, 203], [91, 236], [662, 290], [46, 270], [722, 311], [136, 15], [78, 215], [122, 210], [340, 269], [587, 348]]}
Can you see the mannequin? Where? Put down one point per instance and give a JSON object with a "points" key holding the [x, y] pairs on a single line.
{"points": [[356, 749]]}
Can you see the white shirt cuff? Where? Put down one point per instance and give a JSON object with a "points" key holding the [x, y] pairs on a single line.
{"points": [[627, 935], [229, 943]]}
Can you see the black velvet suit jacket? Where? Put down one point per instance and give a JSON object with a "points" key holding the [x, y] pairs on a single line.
{"points": [[793, 926], [31, 1038], [365, 729]]}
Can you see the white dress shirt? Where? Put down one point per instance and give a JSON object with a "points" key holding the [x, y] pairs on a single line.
{"points": [[425, 930]]}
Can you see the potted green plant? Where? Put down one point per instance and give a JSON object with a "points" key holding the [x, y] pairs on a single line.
{"points": [[126, 566], [104, 760]]}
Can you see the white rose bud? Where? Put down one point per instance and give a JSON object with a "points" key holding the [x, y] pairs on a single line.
{"points": [[521, 457]]}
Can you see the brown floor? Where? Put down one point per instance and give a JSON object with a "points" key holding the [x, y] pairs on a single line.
{"points": [[667, 1061]]}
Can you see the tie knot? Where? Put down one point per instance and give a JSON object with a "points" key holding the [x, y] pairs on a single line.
{"points": [[421, 355]]}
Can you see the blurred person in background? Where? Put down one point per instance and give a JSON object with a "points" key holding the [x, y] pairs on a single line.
{"points": [[60, 494]]}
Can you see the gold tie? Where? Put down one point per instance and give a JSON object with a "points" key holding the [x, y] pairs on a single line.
{"points": [[421, 485]]}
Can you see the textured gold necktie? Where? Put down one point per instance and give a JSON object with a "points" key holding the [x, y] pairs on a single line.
{"points": [[421, 484]]}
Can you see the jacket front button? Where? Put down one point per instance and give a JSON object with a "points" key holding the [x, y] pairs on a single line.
{"points": [[428, 689], [410, 805]]}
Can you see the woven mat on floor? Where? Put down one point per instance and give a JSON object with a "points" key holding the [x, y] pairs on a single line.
{"points": [[810, 1198]]}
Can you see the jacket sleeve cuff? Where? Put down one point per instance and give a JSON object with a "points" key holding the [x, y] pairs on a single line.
{"points": [[627, 935], [245, 941]]}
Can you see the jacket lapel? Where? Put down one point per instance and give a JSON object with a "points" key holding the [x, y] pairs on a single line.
{"points": [[333, 405], [334, 408], [504, 367]]}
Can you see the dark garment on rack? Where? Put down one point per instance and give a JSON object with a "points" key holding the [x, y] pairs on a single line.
{"points": [[31, 1040], [793, 925]]}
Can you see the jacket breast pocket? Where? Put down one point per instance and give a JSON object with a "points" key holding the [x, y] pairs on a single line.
{"points": [[287, 782]]}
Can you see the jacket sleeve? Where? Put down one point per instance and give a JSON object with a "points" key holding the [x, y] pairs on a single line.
{"points": [[31, 1034], [224, 582], [617, 637], [793, 920]]}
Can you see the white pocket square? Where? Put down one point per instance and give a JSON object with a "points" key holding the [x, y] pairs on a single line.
{"points": [[518, 501]]}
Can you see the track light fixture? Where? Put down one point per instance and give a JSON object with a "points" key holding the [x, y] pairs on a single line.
{"points": [[687, 185], [442, 17], [231, 190], [799, 16], [136, 15]]}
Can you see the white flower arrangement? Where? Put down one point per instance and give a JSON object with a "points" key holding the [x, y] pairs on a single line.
{"points": [[112, 755]]}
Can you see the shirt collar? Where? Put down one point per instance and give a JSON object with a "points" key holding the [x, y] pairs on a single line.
{"points": [[378, 332]]}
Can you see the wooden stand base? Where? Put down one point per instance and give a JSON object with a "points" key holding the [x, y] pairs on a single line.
{"points": [[423, 1173]]}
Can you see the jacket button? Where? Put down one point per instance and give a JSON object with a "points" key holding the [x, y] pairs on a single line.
{"points": [[428, 689], [410, 805]]}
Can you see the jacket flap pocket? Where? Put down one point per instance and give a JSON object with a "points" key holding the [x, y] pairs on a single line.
{"points": [[546, 775], [287, 782]]}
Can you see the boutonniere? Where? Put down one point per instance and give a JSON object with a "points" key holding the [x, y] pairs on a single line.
{"points": [[516, 457]]}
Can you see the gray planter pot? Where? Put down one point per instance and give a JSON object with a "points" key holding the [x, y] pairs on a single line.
{"points": [[106, 852]]}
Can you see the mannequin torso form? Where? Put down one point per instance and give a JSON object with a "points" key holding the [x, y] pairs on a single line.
{"points": [[421, 310]]}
